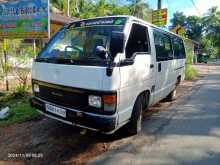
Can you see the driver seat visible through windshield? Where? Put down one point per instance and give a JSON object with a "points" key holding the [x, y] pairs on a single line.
{"points": [[97, 42]]}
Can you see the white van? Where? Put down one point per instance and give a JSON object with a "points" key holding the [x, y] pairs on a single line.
{"points": [[101, 73]]}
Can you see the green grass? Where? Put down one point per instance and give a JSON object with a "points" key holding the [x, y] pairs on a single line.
{"points": [[20, 110], [190, 72]]}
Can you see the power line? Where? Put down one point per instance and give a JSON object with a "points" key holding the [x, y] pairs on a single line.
{"points": [[195, 7]]}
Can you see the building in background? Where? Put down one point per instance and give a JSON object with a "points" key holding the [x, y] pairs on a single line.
{"points": [[57, 21], [194, 47]]}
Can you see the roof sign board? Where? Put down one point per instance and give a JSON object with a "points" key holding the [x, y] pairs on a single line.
{"points": [[111, 21], [159, 17], [24, 19]]}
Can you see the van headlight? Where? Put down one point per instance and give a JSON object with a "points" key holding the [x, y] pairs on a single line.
{"points": [[36, 88], [95, 101], [106, 102]]}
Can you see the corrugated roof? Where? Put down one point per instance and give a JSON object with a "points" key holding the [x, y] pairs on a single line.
{"points": [[60, 19]]}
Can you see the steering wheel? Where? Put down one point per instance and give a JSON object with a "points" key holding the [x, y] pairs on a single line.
{"points": [[74, 47]]}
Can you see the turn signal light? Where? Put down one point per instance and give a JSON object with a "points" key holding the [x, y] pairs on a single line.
{"points": [[109, 102]]}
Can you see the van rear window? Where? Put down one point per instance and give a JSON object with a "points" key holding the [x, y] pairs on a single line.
{"points": [[163, 46], [179, 50]]}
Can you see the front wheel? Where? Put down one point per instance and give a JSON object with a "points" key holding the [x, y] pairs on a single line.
{"points": [[135, 124]]}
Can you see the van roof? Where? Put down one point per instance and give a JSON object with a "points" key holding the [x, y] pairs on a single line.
{"points": [[131, 18]]}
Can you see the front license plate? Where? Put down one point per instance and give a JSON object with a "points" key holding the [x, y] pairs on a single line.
{"points": [[56, 110]]}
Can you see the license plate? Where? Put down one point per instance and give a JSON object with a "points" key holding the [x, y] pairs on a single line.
{"points": [[56, 110]]}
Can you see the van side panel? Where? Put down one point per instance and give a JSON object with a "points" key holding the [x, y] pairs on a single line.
{"points": [[169, 66], [135, 79]]}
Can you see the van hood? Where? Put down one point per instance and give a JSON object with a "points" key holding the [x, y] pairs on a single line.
{"points": [[86, 77]]}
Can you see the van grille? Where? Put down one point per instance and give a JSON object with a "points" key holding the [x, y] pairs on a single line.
{"points": [[70, 97], [67, 98]]}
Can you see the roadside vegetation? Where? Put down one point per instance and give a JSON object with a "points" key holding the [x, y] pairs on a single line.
{"points": [[20, 109], [16, 94], [90, 8], [190, 71], [204, 29]]}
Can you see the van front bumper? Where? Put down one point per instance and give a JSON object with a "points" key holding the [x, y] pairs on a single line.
{"points": [[103, 123]]}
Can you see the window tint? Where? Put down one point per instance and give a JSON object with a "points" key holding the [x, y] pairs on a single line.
{"points": [[138, 40], [178, 47], [163, 46]]}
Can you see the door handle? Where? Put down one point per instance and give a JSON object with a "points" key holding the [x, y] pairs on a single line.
{"points": [[151, 66], [159, 67]]}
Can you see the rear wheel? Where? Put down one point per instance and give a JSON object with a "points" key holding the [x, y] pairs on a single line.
{"points": [[135, 124], [172, 95]]}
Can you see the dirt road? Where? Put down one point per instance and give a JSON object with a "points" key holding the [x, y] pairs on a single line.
{"points": [[52, 142], [187, 133]]}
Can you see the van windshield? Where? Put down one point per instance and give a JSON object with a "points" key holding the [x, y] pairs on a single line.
{"points": [[79, 43]]}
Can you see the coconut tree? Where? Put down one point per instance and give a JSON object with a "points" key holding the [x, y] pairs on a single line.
{"points": [[211, 23], [140, 9], [59, 4]]}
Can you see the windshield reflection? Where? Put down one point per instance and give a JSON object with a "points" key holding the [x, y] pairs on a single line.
{"points": [[79, 43]]}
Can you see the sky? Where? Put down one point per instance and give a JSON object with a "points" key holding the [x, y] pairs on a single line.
{"points": [[185, 6]]}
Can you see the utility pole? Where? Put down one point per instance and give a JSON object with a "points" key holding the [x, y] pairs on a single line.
{"points": [[6, 71], [34, 47], [5, 64], [68, 8], [159, 4]]}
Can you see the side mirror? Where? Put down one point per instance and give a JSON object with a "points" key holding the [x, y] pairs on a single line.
{"points": [[116, 43], [101, 52]]}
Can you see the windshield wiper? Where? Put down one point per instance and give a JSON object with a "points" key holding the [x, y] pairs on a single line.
{"points": [[68, 60], [41, 60], [49, 60], [91, 58]]}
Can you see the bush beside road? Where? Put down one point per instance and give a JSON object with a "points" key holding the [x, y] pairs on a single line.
{"points": [[190, 72], [20, 110]]}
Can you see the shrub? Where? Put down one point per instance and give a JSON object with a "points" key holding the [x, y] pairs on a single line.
{"points": [[21, 91], [190, 72]]}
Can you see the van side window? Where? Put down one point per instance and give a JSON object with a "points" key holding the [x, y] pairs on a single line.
{"points": [[179, 50], [138, 40], [163, 46]]}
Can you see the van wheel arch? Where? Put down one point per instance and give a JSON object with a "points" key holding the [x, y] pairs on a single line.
{"points": [[172, 95], [145, 98], [134, 125]]}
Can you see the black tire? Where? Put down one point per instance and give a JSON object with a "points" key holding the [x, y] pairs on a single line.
{"points": [[135, 124], [172, 95]]}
